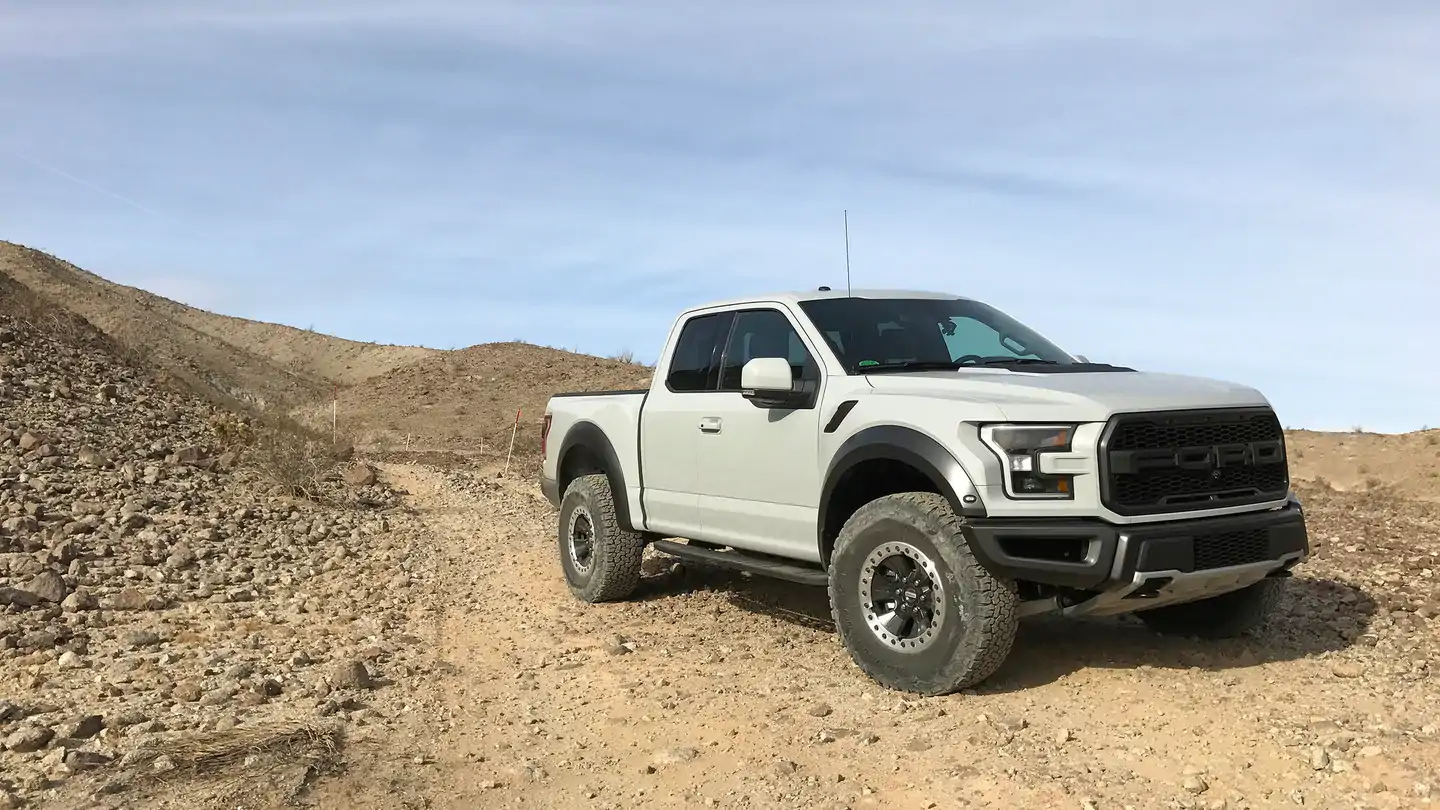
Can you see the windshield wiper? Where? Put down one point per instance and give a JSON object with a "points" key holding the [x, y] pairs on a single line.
{"points": [[908, 365], [947, 365], [1011, 361]]}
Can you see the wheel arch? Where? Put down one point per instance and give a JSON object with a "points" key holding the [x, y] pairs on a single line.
{"points": [[883, 460], [585, 450]]}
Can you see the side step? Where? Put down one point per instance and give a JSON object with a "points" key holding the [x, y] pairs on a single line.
{"points": [[739, 561]]}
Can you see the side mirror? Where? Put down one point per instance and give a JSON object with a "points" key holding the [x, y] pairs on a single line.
{"points": [[767, 383], [1082, 358]]}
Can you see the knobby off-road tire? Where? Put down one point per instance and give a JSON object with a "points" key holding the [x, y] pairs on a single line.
{"points": [[601, 560], [977, 619], [1224, 616]]}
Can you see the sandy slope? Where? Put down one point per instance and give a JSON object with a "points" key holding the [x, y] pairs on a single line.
{"points": [[711, 690], [465, 400], [1408, 463], [245, 359]]}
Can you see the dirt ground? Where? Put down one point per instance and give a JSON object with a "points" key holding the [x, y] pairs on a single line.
{"points": [[709, 689]]}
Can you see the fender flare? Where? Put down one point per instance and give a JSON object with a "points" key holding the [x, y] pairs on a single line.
{"points": [[896, 443], [588, 436]]}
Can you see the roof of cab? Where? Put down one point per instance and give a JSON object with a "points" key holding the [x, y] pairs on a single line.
{"points": [[795, 297]]}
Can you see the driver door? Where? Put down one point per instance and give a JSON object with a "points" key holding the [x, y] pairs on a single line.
{"points": [[759, 467]]}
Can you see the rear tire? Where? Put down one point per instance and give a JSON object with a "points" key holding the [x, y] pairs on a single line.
{"points": [[601, 560], [914, 608], [1224, 616]]}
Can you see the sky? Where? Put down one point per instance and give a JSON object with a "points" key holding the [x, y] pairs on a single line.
{"points": [[1241, 190]]}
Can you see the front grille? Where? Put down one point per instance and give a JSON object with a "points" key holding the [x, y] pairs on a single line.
{"points": [[1178, 461], [1231, 548]]}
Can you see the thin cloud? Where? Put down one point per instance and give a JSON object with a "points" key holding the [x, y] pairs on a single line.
{"points": [[80, 181]]}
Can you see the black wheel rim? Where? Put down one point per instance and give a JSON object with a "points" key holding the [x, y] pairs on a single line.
{"points": [[581, 539], [902, 597]]}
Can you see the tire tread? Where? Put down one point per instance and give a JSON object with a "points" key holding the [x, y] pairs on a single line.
{"points": [[619, 553], [997, 601]]}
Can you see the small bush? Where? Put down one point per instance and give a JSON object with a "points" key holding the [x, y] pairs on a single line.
{"points": [[282, 452], [233, 432]]}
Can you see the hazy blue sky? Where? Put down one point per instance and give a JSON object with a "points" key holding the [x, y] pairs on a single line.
{"points": [[1246, 190]]}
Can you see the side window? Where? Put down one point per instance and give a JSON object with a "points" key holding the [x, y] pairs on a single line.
{"points": [[695, 365], [976, 337], [764, 333]]}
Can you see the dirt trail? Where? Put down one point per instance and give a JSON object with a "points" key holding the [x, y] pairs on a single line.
{"points": [[713, 690]]}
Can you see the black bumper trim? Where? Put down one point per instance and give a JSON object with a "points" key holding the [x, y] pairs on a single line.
{"points": [[550, 488], [1113, 553]]}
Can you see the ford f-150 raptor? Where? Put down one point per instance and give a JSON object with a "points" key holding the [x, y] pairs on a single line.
{"points": [[941, 468]]}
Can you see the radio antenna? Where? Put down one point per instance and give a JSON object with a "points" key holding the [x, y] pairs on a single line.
{"points": [[847, 253]]}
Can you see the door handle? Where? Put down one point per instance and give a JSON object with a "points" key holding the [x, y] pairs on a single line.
{"points": [[710, 424]]}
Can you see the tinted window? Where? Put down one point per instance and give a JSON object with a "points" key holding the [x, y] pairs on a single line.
{"points": [[763, 333], [695, 366], [974, 336], [869, 331]]}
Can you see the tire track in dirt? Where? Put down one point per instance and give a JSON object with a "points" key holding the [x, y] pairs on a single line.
{"points": [[709, 689]]}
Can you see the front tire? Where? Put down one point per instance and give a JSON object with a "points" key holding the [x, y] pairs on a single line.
{"points": [[600, 559], [914, 608], [1225, 616]]}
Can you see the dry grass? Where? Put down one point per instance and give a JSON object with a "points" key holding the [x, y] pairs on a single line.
{"points": [[265, 765], [40, 315], [282, 452], [308, 742]]}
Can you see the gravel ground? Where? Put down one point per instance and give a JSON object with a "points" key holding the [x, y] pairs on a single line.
{"points": [[153, 589], [710, 689]]}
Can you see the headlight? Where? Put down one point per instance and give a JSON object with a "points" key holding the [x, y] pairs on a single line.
{"points": [[1020, 448]]}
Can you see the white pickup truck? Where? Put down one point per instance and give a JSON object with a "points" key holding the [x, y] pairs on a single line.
{"points": [[941, 468]]}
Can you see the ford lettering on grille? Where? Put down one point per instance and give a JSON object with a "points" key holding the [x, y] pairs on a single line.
{"points": [[1197, 458], [1176, 461]]}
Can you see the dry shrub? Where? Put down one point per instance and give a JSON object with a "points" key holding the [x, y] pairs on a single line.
{"points": [[248, 766], [283, 452], [40, 314], [308, 741], [233, 432]]}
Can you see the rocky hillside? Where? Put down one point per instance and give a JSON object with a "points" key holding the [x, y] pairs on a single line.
{"points": [[1407, 464], [156, 585], [226, 357], [465, 400]]}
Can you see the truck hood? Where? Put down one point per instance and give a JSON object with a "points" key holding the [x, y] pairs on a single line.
{"points": [[1070, 397]]}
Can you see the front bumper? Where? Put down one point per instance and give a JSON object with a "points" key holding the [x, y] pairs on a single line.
{"points": [[1093, 555]]}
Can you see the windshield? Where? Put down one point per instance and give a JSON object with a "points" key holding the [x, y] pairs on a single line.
{"points": [[880, 334]]}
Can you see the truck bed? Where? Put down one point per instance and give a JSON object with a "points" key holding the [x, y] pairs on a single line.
{"points": [[615, 416]]}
